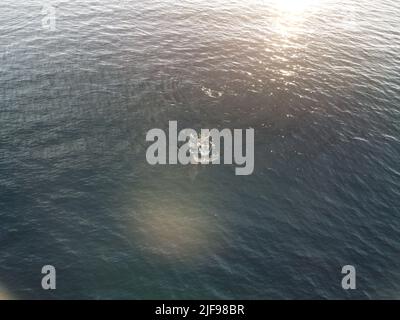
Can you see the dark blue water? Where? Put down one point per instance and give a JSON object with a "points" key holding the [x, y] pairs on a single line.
{"points": [[319, 81]]}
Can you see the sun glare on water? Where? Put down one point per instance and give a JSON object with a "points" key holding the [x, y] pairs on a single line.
{"points": [[294, 6], [292, 16]]}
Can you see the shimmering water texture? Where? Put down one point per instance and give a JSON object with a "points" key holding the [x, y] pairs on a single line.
{"points": [[319, 81]]}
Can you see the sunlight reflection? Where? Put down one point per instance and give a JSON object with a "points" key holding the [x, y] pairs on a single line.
{"points": [[291, 15], [5, 295], [176, 226], [178, 233], [294, 6]]}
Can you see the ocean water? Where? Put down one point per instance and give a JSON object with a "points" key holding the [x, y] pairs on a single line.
{"points": [[319, 81]]}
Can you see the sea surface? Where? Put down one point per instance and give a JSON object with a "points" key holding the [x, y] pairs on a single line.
{"points": [[319, 81]]}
